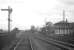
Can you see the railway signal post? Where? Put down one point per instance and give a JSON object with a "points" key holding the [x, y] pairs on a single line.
{"points": [[9, 13]]}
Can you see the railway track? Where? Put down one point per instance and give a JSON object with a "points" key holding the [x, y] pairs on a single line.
{"points": [[24, 44], [61, 45], [61, 42]]}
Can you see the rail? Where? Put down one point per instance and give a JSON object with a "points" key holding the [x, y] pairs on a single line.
{"points": [[62, 46]]}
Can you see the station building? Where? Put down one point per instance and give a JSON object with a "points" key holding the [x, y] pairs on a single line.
{"points": [[64, 27]]}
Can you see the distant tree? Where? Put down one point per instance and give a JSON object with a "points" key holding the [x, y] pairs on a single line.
{"points": [[32, 28], [48, 28], [15, 30]]}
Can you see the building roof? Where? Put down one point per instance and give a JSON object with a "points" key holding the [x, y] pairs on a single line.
{"points": [[64, 24]]}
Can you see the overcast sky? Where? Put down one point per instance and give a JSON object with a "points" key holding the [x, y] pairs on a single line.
{"points": [[35, 12]]}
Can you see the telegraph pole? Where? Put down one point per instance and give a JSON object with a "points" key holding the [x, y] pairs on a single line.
{"points": [[9, 13], [63, 15]]}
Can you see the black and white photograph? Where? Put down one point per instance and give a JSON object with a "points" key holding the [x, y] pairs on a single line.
{"points": [[36, 24]]}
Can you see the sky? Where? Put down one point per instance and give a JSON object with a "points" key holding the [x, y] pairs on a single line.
{"points": [[35, 12]]}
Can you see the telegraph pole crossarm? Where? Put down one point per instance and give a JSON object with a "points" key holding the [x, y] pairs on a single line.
{"points": [[9, 13]]}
